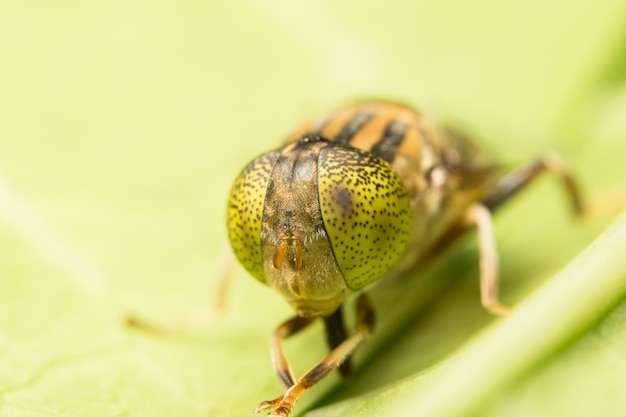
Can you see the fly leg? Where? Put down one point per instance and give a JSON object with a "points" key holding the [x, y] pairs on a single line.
{"points": [[479, 214], [521, 177], [200, 316], [335, 335], [284, 404], [288, 328]]}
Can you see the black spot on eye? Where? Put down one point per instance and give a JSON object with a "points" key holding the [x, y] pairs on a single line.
{"points": [[343, 198]]}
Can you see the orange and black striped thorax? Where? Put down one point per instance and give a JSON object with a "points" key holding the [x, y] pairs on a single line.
{"points": [[389, 130], [383, 128]]}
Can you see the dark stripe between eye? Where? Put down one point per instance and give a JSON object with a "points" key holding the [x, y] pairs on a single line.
{"points": [[393, 136], [352, 127]]}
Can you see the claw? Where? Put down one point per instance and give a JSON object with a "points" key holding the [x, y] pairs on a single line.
{"points": [[268, 405], [283, 404]]}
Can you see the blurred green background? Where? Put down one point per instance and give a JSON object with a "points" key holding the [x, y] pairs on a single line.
{"points": [[123, 123]]}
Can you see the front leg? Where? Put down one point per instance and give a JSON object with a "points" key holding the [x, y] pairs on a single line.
{"points": [[283, 405], [336, 333], [288, 328]]}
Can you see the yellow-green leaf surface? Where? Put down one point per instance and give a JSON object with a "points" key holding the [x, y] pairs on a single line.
{"points": [[123, 124]]}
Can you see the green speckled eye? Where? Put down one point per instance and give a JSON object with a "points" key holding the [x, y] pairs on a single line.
{"points": [[366, 213], [362, 204], [245, 212]]}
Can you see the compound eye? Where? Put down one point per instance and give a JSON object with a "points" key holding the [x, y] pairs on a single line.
{"points": [[244, 213], [366, 213]]}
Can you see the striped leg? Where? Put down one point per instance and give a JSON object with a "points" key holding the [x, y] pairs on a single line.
{"points": [[480, 216], [284, 404], [517, 180], [288, 328]]}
